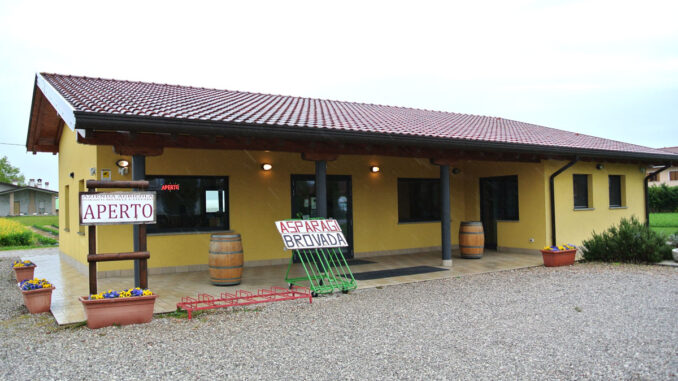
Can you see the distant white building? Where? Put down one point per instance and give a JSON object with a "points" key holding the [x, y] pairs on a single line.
{"points": [[669, 176], [21, 200]]}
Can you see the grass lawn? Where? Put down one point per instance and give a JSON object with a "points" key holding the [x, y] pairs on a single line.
{"points": [[14, 233], [36, 220], [5, 248], [664, 222]]}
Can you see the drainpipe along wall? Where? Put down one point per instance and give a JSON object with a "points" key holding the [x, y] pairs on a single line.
{"points": [[647, 199], [553, 197]]}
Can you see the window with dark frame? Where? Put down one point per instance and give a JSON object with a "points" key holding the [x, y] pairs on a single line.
{"points": [[418, 200], [507, 198], [189, 203], [581, 191], [653, 178], [615, 190], [673, 175]]}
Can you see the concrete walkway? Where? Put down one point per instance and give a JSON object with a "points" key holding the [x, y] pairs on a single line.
{"points": [[70, 283]]}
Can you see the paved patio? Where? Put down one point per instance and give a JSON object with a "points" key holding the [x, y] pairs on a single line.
{"points": [[70, 284]]}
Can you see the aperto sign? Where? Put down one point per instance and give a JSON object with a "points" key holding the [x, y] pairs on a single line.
{"points": [[113, 208], [311, 234]]}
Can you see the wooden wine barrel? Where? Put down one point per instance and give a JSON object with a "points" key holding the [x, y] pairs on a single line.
{"points": [[471, 239], [225, 259]]}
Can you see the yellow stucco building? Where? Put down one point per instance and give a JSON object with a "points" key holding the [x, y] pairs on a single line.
{"points": [[388, 172]]}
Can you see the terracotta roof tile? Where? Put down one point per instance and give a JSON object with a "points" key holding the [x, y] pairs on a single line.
{"points": [[108, 96]]}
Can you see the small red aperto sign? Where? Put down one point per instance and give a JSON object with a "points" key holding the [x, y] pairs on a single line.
{"points": [[170, 187]]}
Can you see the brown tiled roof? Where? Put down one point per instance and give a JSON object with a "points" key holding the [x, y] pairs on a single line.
{"points": [[116, 97]]}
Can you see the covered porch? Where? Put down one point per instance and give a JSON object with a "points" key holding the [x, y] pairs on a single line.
{"points": [[171, 288]]}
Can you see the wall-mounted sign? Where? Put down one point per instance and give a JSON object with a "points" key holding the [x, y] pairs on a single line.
{"points": [[112, 208], [169, 187], [105, 175], [311, 234]]}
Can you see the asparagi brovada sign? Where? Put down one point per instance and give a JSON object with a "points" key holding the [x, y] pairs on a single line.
{"points": [[311, 234], [117, 208]]}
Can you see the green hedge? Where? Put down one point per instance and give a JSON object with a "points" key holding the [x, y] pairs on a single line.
{"points": [[16, 239], [663, 198], [47, 229], [631, 241], [45, 240]]}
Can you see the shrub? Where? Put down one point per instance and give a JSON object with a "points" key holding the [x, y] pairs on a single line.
{"points": [[663, 198], [631, 241], [45, 240], [47, 229], [14, 234]]}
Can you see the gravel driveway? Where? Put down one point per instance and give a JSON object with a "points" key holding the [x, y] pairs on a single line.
{"points": [[588, 321]]}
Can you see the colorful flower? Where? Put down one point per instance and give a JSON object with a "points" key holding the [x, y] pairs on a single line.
{"points": [[562, 247], [21, 263], [34, 284], [131, 292]]}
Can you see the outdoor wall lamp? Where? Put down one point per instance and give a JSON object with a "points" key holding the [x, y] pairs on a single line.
{"points": [[600, 166], [266, 166], [123, 166], [374, 169]]}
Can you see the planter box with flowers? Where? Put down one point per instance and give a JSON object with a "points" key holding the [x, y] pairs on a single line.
{"points": [[132, 306], [23, 270], [37, 295], [561, 255]]}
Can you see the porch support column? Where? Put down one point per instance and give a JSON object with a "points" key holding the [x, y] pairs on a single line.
{"points": [[138, 173], [321, 188], [11, 204], [445, 215]]}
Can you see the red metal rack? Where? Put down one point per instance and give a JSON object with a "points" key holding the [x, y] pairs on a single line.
{"points": [[243, 298]]}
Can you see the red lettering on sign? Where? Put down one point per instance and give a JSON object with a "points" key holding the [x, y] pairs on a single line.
{"points": [[100, 209], [112, 211], [123, 211], [89, 212], [283, 228], [298, 225], [315, 225], [136, 209], [290, 226], [323, 226], [150, 210]]}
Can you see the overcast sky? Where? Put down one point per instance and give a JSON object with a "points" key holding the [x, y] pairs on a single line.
{"points": [[605, 68]]}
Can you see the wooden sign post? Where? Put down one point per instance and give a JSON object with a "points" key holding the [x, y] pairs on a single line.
{"points": [[114, 208]]}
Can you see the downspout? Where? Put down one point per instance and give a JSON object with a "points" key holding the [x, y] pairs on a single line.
{"points": [[553, 198], [647, 198]]}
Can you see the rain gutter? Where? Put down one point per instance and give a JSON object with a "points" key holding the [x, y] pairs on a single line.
{"points": [[553, 197], [149, 124]]}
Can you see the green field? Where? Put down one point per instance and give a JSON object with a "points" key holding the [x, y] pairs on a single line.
{"points": [[664, 222], [15, 232], [36, 220]]}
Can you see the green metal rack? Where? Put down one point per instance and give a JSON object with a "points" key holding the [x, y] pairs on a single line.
{"points": [[326, 271]]}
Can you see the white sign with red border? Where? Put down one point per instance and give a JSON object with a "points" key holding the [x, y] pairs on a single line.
{"points": [[113, 208], [311, 234]]}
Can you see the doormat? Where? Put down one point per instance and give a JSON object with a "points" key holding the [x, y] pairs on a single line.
{"points": [[356, 262], [368, 275]]}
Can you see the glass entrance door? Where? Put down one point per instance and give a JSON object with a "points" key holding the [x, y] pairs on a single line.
{"points": [[339, 203]]}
